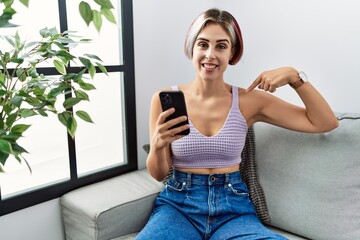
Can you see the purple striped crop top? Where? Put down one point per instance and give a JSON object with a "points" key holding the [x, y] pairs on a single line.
{"points": [[221, 150]]}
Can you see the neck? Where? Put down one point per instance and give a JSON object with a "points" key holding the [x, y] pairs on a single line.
{"points": [[208, 89]]}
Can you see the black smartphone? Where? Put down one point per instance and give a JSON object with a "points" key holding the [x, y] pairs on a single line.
{"points": [[176, 100]]}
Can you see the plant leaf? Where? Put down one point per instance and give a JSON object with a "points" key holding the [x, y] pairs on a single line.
{"points": [[63, 117], [2, 79], [79, 76], [20, 74], [7, 14], [16, 101], [39, 91], [65, 55], [102, 68], [84, 116], [3, 157], [86, 62], [5, 147], [92, 71], [19, 128], [64, 40], [32, 101], [104, 3], [81, 95], [27, 164], [11, 119], [86, 12], [25, 2], [45, 32], [60, 67], [70, 102], [69, 76], [42, 112], [108, 14], [12, 137], [24, 113], [97, 20], [72, 126], [86, 86], [17, 149], [93, 56], [32, 72]]}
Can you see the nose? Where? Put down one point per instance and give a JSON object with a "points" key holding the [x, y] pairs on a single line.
{"points": [[209, 55]]}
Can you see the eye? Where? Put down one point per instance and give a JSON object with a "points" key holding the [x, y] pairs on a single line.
{"points": [[202, 44], [222, 46]]}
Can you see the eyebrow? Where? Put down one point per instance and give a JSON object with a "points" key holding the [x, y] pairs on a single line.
{"points": [[220, 40]]}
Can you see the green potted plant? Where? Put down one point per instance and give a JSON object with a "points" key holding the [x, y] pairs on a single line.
{"points": [[25, 92]]}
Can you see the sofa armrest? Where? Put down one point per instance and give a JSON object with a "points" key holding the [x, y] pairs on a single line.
{"points": [[111, 208]]}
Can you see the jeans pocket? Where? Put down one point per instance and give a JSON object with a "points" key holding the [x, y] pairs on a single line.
{"points": [[174, 185], [238, 189]]}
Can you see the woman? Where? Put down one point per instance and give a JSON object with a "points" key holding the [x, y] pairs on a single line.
{"points": [[205, 197]]}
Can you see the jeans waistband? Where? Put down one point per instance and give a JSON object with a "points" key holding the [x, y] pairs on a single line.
{"points": [[207, 179]]}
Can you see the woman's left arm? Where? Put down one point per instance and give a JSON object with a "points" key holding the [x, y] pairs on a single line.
{"points": [[317, 116]]}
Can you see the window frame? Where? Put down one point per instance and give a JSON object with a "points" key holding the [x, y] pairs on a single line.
{"points": [[41, 195]]}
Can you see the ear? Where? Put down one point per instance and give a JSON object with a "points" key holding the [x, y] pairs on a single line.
{"points": [[232, 53]]}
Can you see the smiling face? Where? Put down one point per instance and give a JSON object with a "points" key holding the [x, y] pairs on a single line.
{"points": [[212, 52]]}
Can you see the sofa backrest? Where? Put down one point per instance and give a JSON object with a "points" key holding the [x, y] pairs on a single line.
{"points": [[312, 181]]}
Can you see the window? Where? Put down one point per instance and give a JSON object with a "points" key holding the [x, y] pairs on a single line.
{"points": [[99, 151]]}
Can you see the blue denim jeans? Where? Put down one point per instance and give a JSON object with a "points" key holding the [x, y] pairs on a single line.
{"points": [[199, 206]]}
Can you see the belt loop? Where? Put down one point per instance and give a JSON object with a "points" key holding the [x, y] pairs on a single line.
{"points": [[227, 178], [188, 180], [173, 173]]}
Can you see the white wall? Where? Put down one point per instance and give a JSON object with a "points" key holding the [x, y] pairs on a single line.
{"points": [[40, 222], [319, 37]]}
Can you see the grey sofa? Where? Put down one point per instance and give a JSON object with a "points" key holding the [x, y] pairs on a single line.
{"points": [[311, 184]]}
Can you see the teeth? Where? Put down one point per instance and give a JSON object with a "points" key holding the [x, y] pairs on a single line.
{"points": [[209, 65]]}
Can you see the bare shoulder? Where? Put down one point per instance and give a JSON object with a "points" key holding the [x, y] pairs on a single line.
{"points": [[254, 96], [251, 103], [241, 91], [162, 89]]}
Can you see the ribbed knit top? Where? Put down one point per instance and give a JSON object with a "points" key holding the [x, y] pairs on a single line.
{"points": [[221, 150]]}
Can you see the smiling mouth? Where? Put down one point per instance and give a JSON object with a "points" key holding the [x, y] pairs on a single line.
{"points": [[209, 66]]}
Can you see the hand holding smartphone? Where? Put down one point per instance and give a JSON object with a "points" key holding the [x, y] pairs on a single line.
{"points": [[175, 99]]}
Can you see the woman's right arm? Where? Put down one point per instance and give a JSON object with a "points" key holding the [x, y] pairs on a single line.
{"points": [[159, 158]]}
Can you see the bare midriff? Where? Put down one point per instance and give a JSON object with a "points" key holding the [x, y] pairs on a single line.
{"points": [[210, 170]]}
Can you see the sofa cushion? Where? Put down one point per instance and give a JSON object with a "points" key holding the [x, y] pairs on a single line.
{"points": [[250, 176], [312, 181], [286, 234], [111, 208]]}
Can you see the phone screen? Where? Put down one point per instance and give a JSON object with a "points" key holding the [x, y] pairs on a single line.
{"points": [[176, 100]]}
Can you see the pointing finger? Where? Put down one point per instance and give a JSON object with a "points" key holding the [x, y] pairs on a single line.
{"points": [[254, 84]]}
